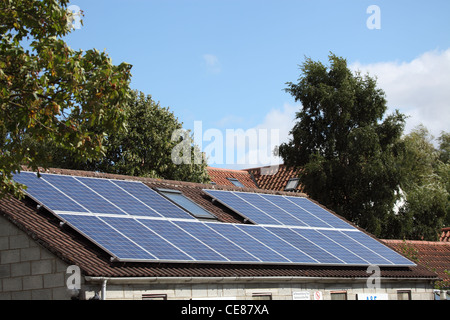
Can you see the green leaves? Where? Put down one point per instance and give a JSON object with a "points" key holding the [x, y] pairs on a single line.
{"points": [[345, 152], [51, 94]]}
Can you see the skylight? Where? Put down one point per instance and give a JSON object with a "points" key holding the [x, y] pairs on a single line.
{"points": [[186, 203]]}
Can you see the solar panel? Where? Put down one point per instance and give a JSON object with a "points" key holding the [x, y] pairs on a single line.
{"points": [[258, 249], [242, 207], [319, 212], [46, 194], [132, 222], [106, 237], [220, 244], [183, 240], [152, 199]]}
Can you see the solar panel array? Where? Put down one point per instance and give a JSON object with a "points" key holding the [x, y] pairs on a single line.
{"points": [[132, 222]]}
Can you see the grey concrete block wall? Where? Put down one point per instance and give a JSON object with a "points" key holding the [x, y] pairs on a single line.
{"points": [[27, 270]]}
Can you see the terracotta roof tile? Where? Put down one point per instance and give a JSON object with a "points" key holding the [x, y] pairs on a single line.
{"points": [[219, 176], [73, 248], [434, 256], [274, 177], [445, 235]]}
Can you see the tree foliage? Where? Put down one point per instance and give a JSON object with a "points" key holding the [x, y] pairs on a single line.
{"points": [[145, 148], [343, 142], [425, 186], [49, 93]]}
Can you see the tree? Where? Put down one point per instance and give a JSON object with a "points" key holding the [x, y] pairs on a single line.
{"points": [[145, 148], [425, 185], [345, 149], [50, 93]]}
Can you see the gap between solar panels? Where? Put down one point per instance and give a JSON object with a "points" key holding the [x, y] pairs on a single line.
{"points": [[132, 222]]}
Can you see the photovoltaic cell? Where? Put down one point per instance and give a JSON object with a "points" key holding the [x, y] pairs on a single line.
{"points": [[106, 237], [242, 207], [277, 244], [306, 246], [46, 194], [119, 196], [183, 240], [215, 241], [81, 194], [272, 210], [319, 212], [152, 199], [148, 240], [261, 251]]}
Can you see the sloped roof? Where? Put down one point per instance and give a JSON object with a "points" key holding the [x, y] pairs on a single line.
{"points": [[73, 248], [445, 235], [219, 176], [433, 255], [274, 177]]}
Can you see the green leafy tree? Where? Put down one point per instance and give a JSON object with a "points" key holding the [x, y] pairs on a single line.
{"points": [[344, 144], [425, 186], [50, 93], [145, 149]]}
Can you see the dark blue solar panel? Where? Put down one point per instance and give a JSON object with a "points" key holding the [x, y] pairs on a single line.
{"points": [[147, 239], [154, 200], [282, 247], [320, 213], [106, 237], [355, 247], [304, 245], [270, 208], [305, 217], [182, 240], [330, 246], [81, 194], [45, 194], [242, 207], [256, 248], [118, 196], [215, 241], [379, 248]]}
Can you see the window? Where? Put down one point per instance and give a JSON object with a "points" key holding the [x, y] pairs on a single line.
{"points": [[262, 296], [404, 295], [292, 184], [187, 204], [154, 296], [338, 295], [236, 182]]}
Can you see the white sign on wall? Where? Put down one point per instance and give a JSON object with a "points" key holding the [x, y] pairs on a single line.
{"points": [[318, 295], [373, 296], [301, 295]]}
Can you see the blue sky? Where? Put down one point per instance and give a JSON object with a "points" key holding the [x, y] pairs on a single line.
{"points": [[226, 62]]}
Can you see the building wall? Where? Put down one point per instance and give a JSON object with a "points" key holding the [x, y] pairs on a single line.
{"points": [[254, 290], [27, 270]]}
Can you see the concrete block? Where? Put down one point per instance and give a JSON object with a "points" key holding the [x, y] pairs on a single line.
{"points": [[41, 267], [43, 294], [5, 271], [32, 282], [54, 280], [19, 241], [10, 256], [12, 284], [4, 243], [29, 254], [21, 295], [20, 269]]}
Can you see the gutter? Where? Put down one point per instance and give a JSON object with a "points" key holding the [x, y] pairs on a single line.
{"points": [[158, 280]]}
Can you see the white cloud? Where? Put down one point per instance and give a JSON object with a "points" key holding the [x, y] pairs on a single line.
{"points": [[254, 147], [419, 88], [212, 63]]}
